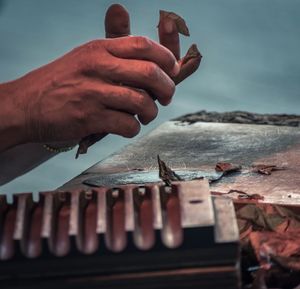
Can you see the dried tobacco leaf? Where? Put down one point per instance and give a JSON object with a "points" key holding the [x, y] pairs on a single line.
{"points": [[266, 169], [192, 52], [227, 167], [261, 217], [165, 173], [241, 195], [272, 232], [179, 21], [188, 64], [275, 244], [251, 196], [290, 263], [88, 141]]}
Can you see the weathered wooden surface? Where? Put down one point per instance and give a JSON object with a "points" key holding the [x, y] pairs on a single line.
{"points": [[196, 148]]}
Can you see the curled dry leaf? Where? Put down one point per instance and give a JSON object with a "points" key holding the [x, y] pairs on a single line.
{"points": [[273, 232], [179, 21], [227, 167], [188, 64], [290, 263], [88, 141], [192, 52], [165, 173], [241, 195], [265, 217], [266, 169], [268, 244]]}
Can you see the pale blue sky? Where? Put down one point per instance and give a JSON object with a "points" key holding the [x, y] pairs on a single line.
{"points": [[250, 58]]}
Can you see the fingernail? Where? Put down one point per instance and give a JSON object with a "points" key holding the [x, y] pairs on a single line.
{"points": [[169, 25]]}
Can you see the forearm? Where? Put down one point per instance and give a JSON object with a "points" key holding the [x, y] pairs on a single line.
{"points": [[20, 159], [11, 118]]}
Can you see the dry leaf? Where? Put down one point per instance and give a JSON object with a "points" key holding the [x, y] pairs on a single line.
{"points": [[165, 173], [179, 21], [192, 52], [250, 196], [266, 169], [241, 195], [290, 263], [227, 167], [267, 244], [88, 141], [273, 232]]}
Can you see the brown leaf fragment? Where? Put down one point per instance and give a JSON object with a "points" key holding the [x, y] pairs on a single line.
{"points": [[290, 263], [227, 167], [215, 193], [192, 52], [88, 141], [251, 196], [244, 195], [165, 173], [266, 169], [188, 64], [267, 244], [179, 21], [272, 233], [241, 195]]}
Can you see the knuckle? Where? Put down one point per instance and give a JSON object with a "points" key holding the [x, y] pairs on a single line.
{"points": [[152, 71], [88, 58], [79, 116], [141, 101], [93, 45], [141, 43]]}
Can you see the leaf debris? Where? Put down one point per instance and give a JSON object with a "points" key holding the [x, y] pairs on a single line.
{"points": [[227, 167], [179, 21], [241, 195], [166, 174], [266, 169]]}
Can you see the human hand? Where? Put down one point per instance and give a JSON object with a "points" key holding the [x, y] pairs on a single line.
{"points": [[96, 88], [117, 24]]}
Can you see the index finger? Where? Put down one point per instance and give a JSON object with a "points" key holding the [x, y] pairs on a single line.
{"points": [[143, 48]]}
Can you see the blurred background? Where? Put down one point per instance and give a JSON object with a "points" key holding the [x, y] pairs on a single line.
{"points": [[250, 60]]}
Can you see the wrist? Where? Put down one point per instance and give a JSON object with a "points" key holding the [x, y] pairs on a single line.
{"points": [[11, 117]]}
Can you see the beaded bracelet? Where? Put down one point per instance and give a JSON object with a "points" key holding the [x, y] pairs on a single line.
{"points": [[57, 150]]}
